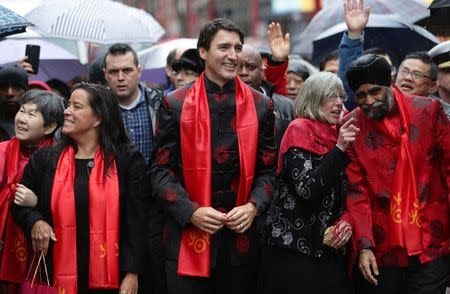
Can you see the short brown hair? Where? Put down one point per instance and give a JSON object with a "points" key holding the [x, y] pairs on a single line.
{"points": [[209, 30]]}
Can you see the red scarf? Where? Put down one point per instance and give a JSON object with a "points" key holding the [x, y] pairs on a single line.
{"points": [[195, 129], [14, 253], [404, 220], [310, 135], [103, 224]]}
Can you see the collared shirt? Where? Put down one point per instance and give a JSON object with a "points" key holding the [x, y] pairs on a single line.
{"points": [[445, 107], [137, 120]]}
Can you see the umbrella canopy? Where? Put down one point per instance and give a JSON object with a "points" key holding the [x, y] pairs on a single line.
{"points": [[100, 21], [156, 56], [410, 11], [11, 23], [439, 21], [387, 32], [55, 62]]}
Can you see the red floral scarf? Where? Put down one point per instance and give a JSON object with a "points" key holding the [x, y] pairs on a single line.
{"points": [[103, 223], [194, 256]]}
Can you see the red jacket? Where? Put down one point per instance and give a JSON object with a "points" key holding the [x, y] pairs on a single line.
{"points": [[371, 171], [276, 74]]}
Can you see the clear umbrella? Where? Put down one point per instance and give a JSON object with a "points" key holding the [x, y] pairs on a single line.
{"points": [[410, 11], [156, 56], [99, 21]]}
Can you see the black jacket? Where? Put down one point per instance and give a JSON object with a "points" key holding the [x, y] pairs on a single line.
{"points": [[283, 110], [311, 198], [38, 176], [167, 177]]}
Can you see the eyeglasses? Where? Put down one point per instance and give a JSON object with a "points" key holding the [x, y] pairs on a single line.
{"points": [[343, 97], [417, 75]]}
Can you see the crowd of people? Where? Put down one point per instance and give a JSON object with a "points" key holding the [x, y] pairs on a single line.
{"points": [[249, 174]]}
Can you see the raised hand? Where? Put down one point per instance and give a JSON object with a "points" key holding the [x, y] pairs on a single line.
{"points": [[23, 63], [279, 45], [356, 17], [347, 134]]}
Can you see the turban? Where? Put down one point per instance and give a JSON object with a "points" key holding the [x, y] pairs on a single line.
{"points": [[368, 69]]}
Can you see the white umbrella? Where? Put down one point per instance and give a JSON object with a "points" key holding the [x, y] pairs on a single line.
{"points": [[54, 61], [100, 21], [156, 56], [333, 13]]}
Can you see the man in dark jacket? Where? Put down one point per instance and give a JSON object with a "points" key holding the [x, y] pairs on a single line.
{"points": [[251, 73], [139, 106], [213, 167]]}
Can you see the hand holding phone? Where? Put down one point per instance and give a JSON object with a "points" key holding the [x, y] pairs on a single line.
{"points": [[32, 52]]}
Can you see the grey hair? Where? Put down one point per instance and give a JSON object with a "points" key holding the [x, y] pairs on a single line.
{"points": [[313, 93], [50, 105]]}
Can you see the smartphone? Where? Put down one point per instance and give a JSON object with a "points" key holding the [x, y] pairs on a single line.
{"points": [[33, 52]]}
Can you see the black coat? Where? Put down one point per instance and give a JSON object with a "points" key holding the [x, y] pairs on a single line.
{"points": [[167, 178], [38, 176], [311, 198], [283, 110]]}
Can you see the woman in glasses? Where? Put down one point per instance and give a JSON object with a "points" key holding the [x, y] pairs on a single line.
{"points": [[308, 227], [89, 188]]}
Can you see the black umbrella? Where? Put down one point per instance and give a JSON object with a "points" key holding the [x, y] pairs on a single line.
{"points": [[11, 23], [385, 31], [439, 21]]}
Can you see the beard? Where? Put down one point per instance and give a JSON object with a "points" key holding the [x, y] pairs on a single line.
{"points": [[379, 109]]}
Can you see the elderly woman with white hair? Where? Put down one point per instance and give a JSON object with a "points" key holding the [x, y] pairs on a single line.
{"points": [[307, 225]]}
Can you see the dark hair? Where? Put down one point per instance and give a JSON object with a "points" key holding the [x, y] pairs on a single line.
{"points": [[95, 71], [171, 57], [298, 68], [60, 86], [333, 55], [112, 134], [189, 60], [50, 105], [14, 75], [121, 49], [376, 51], [425, 58], [209, 30]]}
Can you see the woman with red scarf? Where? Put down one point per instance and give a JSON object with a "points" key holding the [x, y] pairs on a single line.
{"points": [[39, 115], [89, 189], [307, 223]]}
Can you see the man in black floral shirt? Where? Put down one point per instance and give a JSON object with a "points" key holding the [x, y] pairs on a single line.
{"points": [[214, 168]]}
